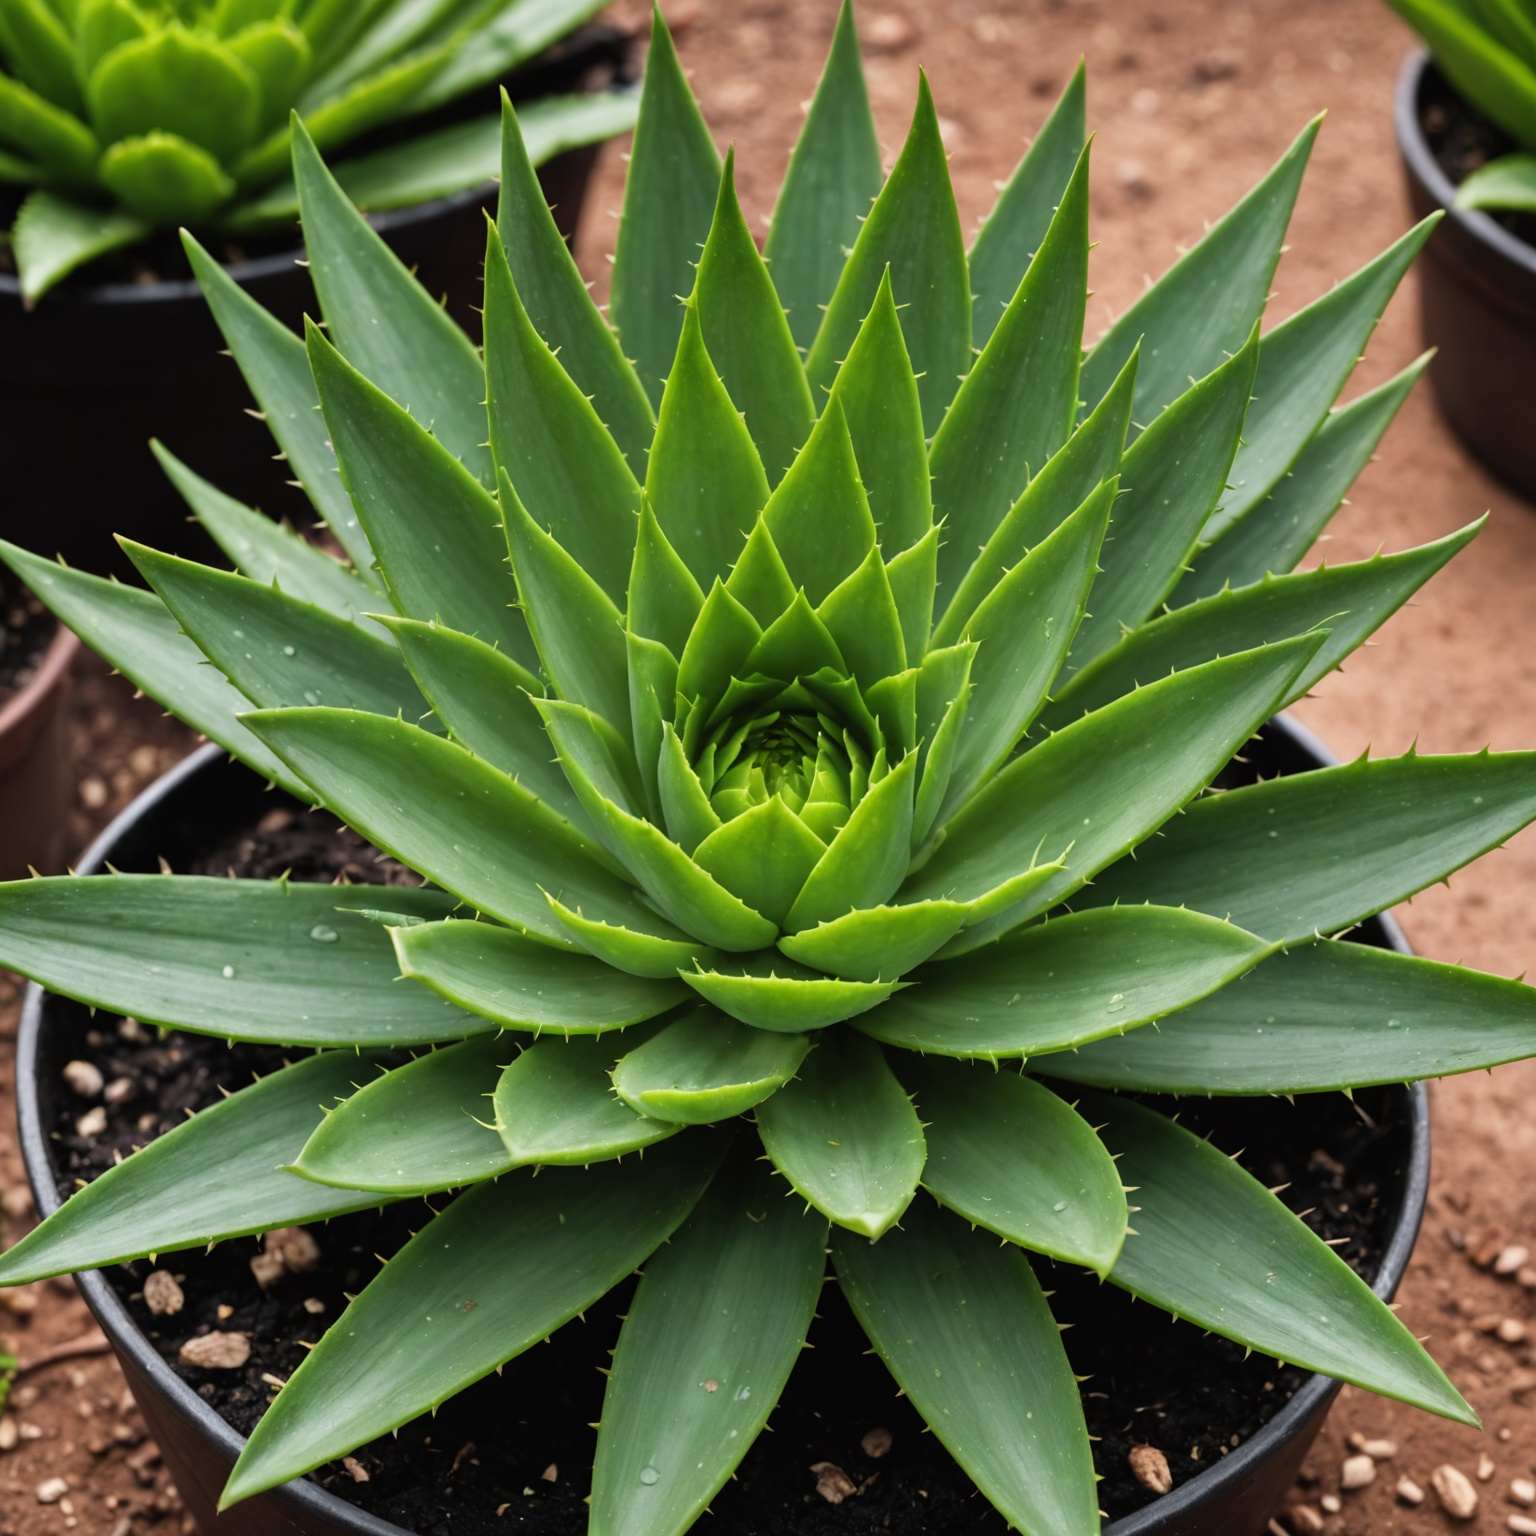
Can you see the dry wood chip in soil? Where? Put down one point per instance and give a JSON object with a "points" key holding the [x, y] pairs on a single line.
{"points": [[876, 1442], [832, 1483], [1455, 1491], [162, 1293], [1150, 1468], [216, 1351]]}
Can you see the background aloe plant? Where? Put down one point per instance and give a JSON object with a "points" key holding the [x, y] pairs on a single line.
{"points": [[779, 800], [130, 115], [1487, 50]]}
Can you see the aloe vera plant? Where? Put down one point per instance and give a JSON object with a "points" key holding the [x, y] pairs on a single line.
{"points": [[1487, 50], [127, 116], [772, 695]]}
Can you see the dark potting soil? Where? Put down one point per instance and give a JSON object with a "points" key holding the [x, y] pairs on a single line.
{"points": [[513, 1454], [1462, 140], [26, 629]]}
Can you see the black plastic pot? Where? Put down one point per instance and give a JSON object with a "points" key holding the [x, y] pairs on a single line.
{"points": [[36, 785], [94, 371], [1234, 1498], [1477, 294]]}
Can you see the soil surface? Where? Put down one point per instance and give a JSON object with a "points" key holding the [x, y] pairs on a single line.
{"points": [[1192, 100], [26, 628]]}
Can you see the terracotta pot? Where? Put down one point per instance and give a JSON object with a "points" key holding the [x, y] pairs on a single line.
{"points": [[97, 370], [1477, 295], [1235, 1497], [36, 786]]}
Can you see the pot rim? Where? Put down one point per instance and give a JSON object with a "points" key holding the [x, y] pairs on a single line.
{"points": [[18, 712], [1423, 166], [306, 1497]]}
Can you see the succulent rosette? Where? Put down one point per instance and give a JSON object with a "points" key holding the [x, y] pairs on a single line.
{"points": [[800, 703]]}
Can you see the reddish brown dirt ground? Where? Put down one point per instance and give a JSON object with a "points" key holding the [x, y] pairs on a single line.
{"points": [[1191, 100]]}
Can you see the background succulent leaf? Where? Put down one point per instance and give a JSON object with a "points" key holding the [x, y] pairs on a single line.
{"points": [[240, 959], [555, 1104], [415, 1128], [1009, 1155], [966, 1331], [669, 202], [703, 1066], [54, 235], [1508, 184], [1206, 305], [1324, 1016], [1481, 68], [46, 133], [37, 47], [279, 56], [845, 1135], [529, 1252], [161, 176], [1350, 841], [1013, 231], [715, 1327], [217, 1175], [914, 230], [1212, 1245], [519, 984]]}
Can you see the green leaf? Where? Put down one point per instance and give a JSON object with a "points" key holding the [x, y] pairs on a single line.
{"points": [[1512, 23], [663, 600], [796, 644], [419, 1128], [759, 581], [862, 617], [40, 51], [1022, 632], [763, 856], [1096, 789], [269, 552], [686, 812], [877, 393], [877, 943], [386, 325], [1506, 185], [1006, 243], [519, 984], [331, 25], [555, 1104], [1481, 68], [436, 532], [914, 230], [669, 202], [1303, 364], [218, 1175], [722, 639], [275, 366], [1089, 458], [1059, 984], [547, 438], [470, 829], [637, 952], [162, 178], [704, 1066], [1352, 600], [47, 134], [278, 55], [704, 479], [748, 336], [868, 858], [1317, 852], [280, 962], [576, 629], [555, 294], [714, 1330], [378, 34], [528, 1252], [1014, 1158], [54, 236], [102, 25], [135, 633], [1212, 1245], [943, 699], [845, 1135], [966, 1331], [1206, 305], [1174, 475], [1325, 1016], [1278, 532], [771, 992], [485, 700], [1017, 404], [913, 576], [276, 649], [834, 175], [176, 81]]}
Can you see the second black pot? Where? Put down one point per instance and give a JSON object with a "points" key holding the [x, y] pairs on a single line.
{"points": [[95, 371], [1477, 294], [1234, 1498]]}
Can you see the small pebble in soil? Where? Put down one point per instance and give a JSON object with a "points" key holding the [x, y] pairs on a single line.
{"points": [[1376, 1448], [162, 1293], [1511, 1260], [832, 1483], [355, 1469], [216, 1351], [91, 1124], [1331, 1503], [1458, 1498], [1150, 1468], [16, 1202], [51, 1490], [876, 1442], [1521, 1525], [84, 1078], [1305, 1520], [1357, 1472], [1409, 1492], [1511, 1330], [1522, 1491], [8, 1434], [1485, 1468]]}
